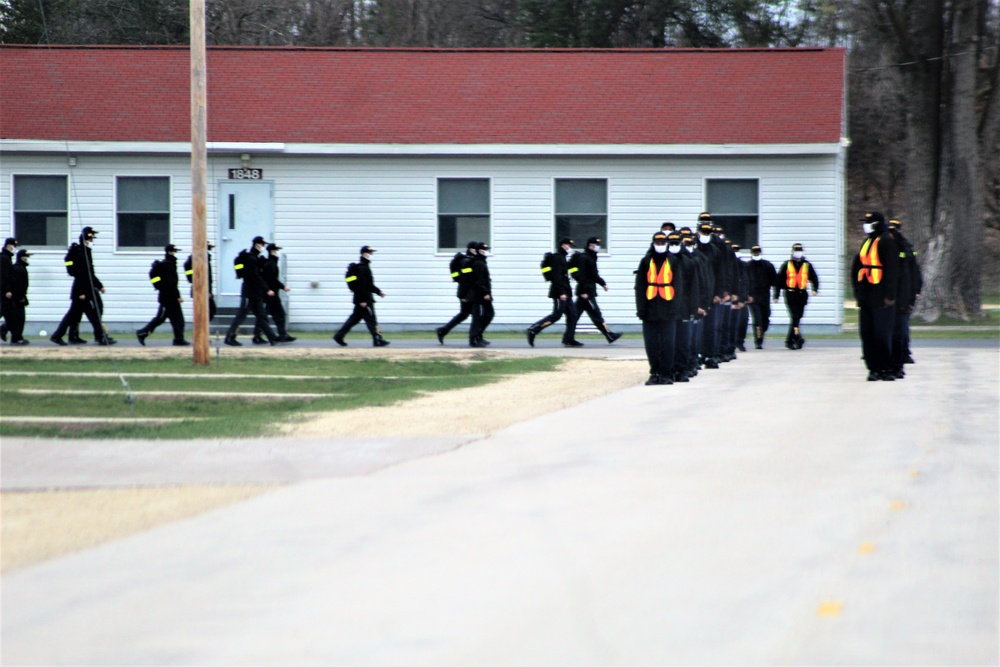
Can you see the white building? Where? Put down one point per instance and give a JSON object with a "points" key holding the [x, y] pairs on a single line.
{"points": [[415, 152]]}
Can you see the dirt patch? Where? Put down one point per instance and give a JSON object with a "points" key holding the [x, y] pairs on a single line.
{"points": [[38, 525], [480, 410]]}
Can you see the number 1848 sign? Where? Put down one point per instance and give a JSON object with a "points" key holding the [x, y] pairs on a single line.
{"points": [[246, 174]]}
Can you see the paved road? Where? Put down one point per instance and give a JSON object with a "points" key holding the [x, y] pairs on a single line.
{"points": [[778, 511]]}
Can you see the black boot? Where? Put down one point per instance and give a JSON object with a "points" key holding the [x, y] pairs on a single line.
{"points": [[612, 336], [378, 341]]}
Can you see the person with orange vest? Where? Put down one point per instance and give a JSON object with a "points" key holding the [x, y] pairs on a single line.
{"points": [[794, 277], [875, 277], [660, 303]]}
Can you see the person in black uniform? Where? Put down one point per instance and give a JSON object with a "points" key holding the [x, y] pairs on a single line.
{"points": [[587, 280], [660, 303], [481, 294], [163, 275], [715, 261], [461, 272], [740, 313], [271, 272], [911, 283], [85, 294], [17, 287], [701, 289], [189, 274], [688, 304], [794, 276], [724, 349], [252, 294], [761, 276], [875, 278], [561, 293], [6, 264], [362, 284]]}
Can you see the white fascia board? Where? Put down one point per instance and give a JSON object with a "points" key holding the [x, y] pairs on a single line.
{"points": [[604, 150]]}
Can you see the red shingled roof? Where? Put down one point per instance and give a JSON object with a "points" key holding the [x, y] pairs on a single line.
{"points": [[427, 96]]}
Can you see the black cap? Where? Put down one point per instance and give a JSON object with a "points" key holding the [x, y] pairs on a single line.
{"points": [[258, 240], [874, 217], [472, 245], [797, 247], [704, 216], [88, 233], [673, 238], [483, 246], [664, 226], [565, 241], [170, 247], [895, 224], [365, 249], [705, 228], [593, 239], [10, 240], [717, 229], [736, 247], [273, 246], [755, 248], [659, 238], [24, 252]]}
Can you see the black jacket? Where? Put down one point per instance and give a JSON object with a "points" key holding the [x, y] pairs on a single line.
{"points": [[692, 295], [6, 264], [18, 284], [85, 281], [359, 278], [480, 284], [781, 279], [715, 264], [587, 277], [910, 281], [726, 271], [189, 272], [875, 296], [761, 276], [703, 270], [271, 271], [254, 286], [560, 276], [658, 309], [167, 285], [465, 276]]}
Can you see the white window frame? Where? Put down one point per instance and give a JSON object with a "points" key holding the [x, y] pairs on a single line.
{"points": [[438, 251], [69, 208], [581, 244], [743, 248], [142, 250]]}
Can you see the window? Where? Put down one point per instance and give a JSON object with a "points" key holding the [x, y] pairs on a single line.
{"points": [[41, 211], [463, 212], [733, 205], [143, 212], [582, 210]]}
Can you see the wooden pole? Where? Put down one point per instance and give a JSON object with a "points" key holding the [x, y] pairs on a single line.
{"points": [[199, 186]]}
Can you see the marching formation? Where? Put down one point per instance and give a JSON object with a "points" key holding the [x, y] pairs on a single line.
{"points": [[694, 296]]}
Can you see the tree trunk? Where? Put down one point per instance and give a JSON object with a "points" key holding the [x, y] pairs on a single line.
{"points": [[954, 254]]}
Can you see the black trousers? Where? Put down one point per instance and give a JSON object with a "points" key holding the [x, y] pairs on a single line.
{"points": [[167, 311], [760, 310], [900, 339], [13, 315], [464, 312], [560, 307], [482, 315], [711, 335], [659, 337], [742, 318], [71, 320], [875, 329], [277, 312], [682, 345], [366, 313], [725, 343], [796, 303], [593, 311], [260, 314]]}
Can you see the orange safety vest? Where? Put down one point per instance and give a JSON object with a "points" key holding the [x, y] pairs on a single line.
{"points": [[795, 280], [659, 282], [871, 266]]}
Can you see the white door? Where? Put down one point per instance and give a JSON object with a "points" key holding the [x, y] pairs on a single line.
{"points": [[246, 210]]}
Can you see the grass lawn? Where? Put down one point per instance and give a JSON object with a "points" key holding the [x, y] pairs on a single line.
{"points": [[35, 388]]}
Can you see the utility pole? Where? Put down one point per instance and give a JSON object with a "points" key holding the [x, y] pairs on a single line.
{"points": [[199, 186]]}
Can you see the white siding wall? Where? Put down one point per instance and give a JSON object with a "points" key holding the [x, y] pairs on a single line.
{"points": [[327, 207]]}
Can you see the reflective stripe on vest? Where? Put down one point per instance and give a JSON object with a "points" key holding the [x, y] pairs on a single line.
{"points": [[871, 266], [546, 269], [795, 280], [155, 280], [574, 269], [350, 278], [69, 263], [238, 267], [659, 282], [466, 270], [455, 274]]}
